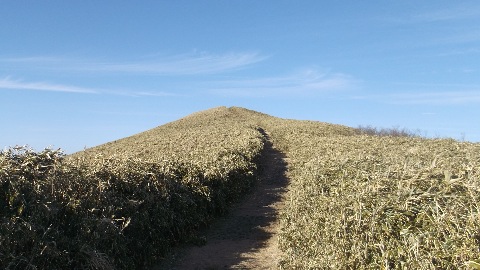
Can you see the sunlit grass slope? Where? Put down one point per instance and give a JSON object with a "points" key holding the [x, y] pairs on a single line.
{"points": [[124, 204], [377, 202], [355, 201], [198, 139]]}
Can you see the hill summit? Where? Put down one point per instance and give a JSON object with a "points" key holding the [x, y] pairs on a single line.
{"points": [[216, 122]]}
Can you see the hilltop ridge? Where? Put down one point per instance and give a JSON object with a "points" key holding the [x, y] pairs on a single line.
{"points": [[186, 128]]}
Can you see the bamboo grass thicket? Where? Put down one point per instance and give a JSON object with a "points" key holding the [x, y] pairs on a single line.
{"points": [[123, 205], [356, 200], [363, 202]]}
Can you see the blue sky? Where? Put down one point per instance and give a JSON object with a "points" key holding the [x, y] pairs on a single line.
{"points": [[76, 74]]}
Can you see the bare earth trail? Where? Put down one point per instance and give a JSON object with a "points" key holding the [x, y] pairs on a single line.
{"points": [[247, 237]]}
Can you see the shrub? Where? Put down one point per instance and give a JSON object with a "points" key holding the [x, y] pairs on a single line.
{"points": [[124, 205], [393, 132]]}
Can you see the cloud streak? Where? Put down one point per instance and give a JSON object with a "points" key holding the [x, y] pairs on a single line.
{"points": [[304, 83], [184, 64], [458, 13], [151, 94], [184, 81], [427, 94], [9, 84], [438, 98]]}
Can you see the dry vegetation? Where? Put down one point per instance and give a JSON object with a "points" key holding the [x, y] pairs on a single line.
{"points": [[392, 132], [378, 202], [124, 204], [356, 200]]}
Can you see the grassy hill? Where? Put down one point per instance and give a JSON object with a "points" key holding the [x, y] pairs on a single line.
{"points": [[358, 202], [355, 201]]}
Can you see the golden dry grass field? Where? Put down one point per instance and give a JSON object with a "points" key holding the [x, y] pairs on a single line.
{"points": [[354, 201]]}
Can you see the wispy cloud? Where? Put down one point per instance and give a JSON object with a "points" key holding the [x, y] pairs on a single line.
{"points": [[304, 83], [155, 94], [461, 51], [184, 83], [457, 13], [448, 95], [184, 64], [454, 26], [8, 83], [437, 98]]}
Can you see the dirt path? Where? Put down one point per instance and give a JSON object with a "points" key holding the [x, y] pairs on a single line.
{"points": [[246, 238]]}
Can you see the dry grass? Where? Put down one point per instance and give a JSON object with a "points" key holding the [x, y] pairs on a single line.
{"points": [[124, 204], [356, 200], [369, 202]]}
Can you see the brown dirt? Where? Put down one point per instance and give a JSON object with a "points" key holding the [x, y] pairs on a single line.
{"points": [[247, 237]]}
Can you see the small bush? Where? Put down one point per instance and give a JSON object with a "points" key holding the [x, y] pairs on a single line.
{"points": [[392, 132]]}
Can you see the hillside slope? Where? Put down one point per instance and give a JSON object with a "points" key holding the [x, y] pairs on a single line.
{"points": [[213, 128], [354, 201], [124, 204]]}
